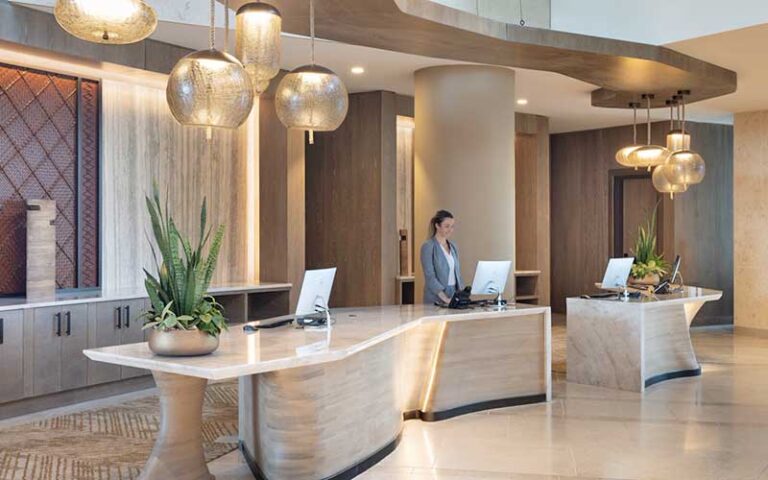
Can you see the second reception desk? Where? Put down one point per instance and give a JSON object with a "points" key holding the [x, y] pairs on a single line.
{"points": [[316, 406]]}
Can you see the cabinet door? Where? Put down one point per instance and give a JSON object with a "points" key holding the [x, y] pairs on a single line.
{"points": [[46, 346], [11, 356], [132, 332], [106, 328], [74, 339]]}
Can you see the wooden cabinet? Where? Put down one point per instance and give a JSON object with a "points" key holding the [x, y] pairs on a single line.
{"points": [[114, 323], [11, 356], [60, 336]]}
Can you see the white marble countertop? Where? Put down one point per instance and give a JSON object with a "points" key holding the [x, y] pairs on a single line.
{"points": [[355, 329], [21, 303], [688, 294]]}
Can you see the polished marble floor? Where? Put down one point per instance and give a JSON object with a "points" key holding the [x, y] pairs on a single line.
{"points": [[709, 427]]}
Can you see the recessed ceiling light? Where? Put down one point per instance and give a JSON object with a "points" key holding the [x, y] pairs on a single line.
{"points": [[357, 70], [522, 101]]}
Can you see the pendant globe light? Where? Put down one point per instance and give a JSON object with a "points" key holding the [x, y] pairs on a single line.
{"points": [[685, 167], [676, 138], [209, 88], [257, 42], [649, 155], [662, 185], [622, 156], [311, 97], [115, 22]]}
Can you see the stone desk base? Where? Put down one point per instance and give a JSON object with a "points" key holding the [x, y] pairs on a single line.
{"points": [[631, 345]]}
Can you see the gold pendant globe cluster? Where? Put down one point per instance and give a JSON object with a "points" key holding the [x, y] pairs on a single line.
{"points": [[675, 167], [210, 88]]}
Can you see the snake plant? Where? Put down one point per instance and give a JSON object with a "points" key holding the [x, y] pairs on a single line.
{"points": [[647, 261], [178, 290]]}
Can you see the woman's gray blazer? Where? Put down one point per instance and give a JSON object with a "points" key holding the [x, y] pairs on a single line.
{"points": [[436, 270]]}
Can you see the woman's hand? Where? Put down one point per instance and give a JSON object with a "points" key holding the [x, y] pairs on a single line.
{"points": [[443, 297]]}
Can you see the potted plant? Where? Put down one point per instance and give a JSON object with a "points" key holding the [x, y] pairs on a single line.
{"points": [[184, 319], [649, 266]]}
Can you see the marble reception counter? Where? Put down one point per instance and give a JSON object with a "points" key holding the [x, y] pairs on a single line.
{"points": [[631, 345], [318, 405]]}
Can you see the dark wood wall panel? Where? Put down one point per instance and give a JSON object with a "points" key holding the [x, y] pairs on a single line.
{"points": [[345, 202], [43, 119], [580, 213]]}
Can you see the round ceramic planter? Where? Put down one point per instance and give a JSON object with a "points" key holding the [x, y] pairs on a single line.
{"points": [[182, 343]]}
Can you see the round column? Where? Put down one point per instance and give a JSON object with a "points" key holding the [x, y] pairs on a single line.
{"points": [[464, 161]]}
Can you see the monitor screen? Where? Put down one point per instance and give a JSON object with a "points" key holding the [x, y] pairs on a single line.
{"points": [[315, 290], [491, 277], [617, 272]]}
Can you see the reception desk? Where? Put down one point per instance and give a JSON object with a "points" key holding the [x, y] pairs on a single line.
{"points": [[633, 344], [317, 405]]}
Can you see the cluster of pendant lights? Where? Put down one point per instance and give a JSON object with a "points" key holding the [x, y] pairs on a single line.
{"points": [[675, 167], [210, 88]]}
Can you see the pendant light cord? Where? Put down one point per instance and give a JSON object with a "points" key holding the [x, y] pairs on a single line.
{"points": [[312, 28], [212, 33], [226, 26], [683, 122], [522, 20], [648, 119], [634, 123]]}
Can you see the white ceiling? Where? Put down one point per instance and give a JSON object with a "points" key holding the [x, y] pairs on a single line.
{"points": [[564, 100]]}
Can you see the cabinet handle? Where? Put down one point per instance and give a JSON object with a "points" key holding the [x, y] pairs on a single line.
{"points": [[119, 317], [69, 323], [58, 324], [127, 316], [2, 331]]}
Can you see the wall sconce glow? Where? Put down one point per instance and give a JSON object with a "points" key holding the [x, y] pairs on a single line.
{"points": [[357, 70], [522, 101], [257, 42], [115, 22]]}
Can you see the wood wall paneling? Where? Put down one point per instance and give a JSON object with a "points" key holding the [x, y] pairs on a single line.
{"points": [[532, 228], [581, 163], [405, 135], [281, 199], [142, 143], [351, 182]]}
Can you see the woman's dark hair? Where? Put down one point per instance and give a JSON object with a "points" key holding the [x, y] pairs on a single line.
{"points": [[440, 215]]}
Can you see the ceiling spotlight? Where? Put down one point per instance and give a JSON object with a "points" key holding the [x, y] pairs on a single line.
{"points": [[357, 70], [522, 101]]}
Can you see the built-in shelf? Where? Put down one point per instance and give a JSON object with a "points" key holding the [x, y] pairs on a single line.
{"points": [[527, 286], [405, 289]]}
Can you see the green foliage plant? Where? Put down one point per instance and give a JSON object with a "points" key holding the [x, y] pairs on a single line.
{"points": [[178, 291], [647, 261]]}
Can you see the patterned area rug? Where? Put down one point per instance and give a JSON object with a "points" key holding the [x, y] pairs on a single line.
{"points": [[108, 443]]}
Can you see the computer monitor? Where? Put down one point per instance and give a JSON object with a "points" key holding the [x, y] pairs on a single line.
{"points": [[675, 269], [617, 272], [315, 290], [491, 277]]}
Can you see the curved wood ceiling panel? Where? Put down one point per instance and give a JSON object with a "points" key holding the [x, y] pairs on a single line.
{"points": [[622, 70]]}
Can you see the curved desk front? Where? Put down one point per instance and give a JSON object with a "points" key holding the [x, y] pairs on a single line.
{"points": [[317, 405], [631, 345]]}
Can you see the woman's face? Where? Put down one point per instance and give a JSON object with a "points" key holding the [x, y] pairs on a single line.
{"points": [[445, 228]]}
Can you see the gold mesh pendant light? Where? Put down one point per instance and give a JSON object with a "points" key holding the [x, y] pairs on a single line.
{"points": [[114, 22], [311, 97], [622, 156], [685, 167], [648, 156], [663, 185], [257, 42], [209, 88]]}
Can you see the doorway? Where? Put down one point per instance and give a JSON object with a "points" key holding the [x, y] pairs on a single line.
{"points": [[633, 199]]}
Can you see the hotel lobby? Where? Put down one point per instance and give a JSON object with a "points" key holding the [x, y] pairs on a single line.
{"points": [[383, 239]]}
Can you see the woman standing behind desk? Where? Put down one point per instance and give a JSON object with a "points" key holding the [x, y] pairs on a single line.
{"points": [[440, 261]]}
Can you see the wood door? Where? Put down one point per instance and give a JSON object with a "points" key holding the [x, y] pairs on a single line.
{"points": [[46, 350], [132, 333], [11, 356], [106, 326], [639, 200], [74, 339], [633, 199]]}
